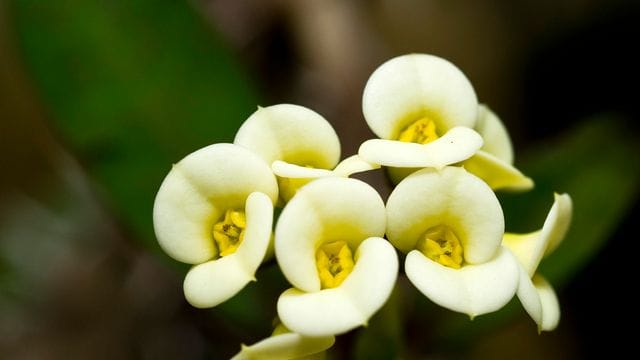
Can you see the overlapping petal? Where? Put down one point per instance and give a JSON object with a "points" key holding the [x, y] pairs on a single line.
{"points": [[536, 295], [530, 248], [494, 162], [499, 174], [549, 302], [455, 145], [496, 138], [351, 165]]}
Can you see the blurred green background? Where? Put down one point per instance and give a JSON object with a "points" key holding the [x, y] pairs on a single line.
{"points": [[99, 98]]}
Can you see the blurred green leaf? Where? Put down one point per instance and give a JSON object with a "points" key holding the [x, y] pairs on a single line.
{"points": [[597, 164], [132, 86]]}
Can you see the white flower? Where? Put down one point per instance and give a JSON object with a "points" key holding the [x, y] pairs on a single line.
{"points": [[493, 163], [215, 210], [423, 108], [299, 144], [284, 345], [451, 224], [329, 245], [535, 293]]}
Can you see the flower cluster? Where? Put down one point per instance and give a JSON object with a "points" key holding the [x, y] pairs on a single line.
{"points": [[335, 239]]}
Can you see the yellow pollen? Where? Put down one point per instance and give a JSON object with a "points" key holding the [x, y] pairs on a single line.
{"points": [[229, 232], [441, 245], [421, 131], [334, 261]]}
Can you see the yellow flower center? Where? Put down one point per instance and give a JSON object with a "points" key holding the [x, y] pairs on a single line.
{"points": [[441, 245], [334, 261], [229, 231], [421, 131]]}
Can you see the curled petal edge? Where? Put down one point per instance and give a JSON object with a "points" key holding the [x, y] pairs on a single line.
{"points": [[456, 145]]}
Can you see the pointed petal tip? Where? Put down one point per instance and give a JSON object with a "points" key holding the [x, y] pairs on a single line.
{"points": [[499, 174]]}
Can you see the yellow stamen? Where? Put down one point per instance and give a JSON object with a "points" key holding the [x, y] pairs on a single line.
{"points": [[334, 261], [441, 245], [421, 131], [228, 233]]}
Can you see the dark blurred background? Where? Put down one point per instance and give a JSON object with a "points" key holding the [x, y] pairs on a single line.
{"points": [[99, 98]]}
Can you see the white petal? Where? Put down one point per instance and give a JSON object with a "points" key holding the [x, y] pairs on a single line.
{"points": [[327, 209], [550, 304], [540, 301], [409, 87], [198, 190], [498, 174], [353, 164], [451, 197], [257, 235], [495, 135], [290, 133], [528, 296], [285, 346], [559, 219], [530, 248], [472, 289], [456, 145], [285, 169], [214, 282], [338, 310]]}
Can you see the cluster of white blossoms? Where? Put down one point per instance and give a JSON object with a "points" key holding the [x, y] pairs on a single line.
{"points": [[335, 239]]}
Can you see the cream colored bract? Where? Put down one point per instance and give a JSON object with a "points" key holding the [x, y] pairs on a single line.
{"points": [[426, 113], [493, 163], [323, 212], [413, 89], [196, 195], [409, 87], [452, 199], [535, 293]]}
